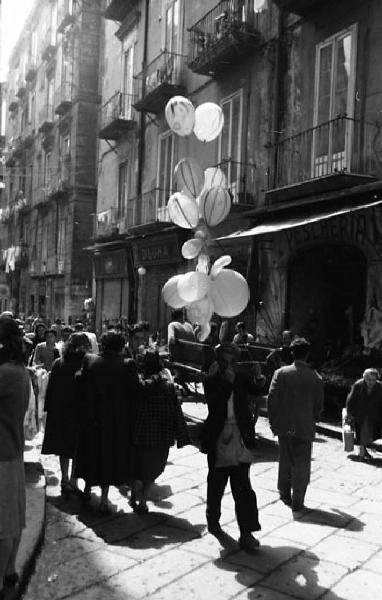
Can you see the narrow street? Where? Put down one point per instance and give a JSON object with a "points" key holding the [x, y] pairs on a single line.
{"points": [[331, 551]]}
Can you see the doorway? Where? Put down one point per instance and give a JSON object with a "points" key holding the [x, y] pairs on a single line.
{"points": [[326, 297]]}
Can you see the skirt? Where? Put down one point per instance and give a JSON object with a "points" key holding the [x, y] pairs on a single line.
{"points": [[12, 498], [149, 463]]}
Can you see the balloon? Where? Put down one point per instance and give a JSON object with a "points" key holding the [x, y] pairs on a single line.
{"points": [[209, 121], [189, 177], [180, 115], [183, 210], [193, 286], [200, 234], [214, 177], [219, 264], [170, 292], [201, 311], [191, 248], [214, 205], [204, 332], [229, 292]]}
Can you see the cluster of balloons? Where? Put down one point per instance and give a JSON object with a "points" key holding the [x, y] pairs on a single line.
{"points": [[206, 121], [204, 195], [206, 290]]}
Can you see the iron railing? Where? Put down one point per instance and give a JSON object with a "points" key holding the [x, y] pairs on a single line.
{"points": [[228, 19], [30, 70], [106, 223], [166, 68], [46, 115], [241, 180], [63, 97], [118, 107], [341, 145], [150, 207]]}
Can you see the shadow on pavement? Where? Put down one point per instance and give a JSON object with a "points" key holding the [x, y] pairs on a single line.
{"points": [[371, 462], [335, 518]]}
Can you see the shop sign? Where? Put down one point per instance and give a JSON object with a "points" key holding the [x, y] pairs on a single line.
{"points": [[351, 227], [156, 252], [114, 263]]}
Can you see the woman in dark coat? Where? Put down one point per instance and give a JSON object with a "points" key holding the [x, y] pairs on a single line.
{"points": [[364, 407], [61, 406], [107, 385], [158, 423]]}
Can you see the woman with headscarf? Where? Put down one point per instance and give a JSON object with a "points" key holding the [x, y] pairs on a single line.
{"points": [[364, 408], [14, 397], [158, 423], [61, 406], [107, 385]]}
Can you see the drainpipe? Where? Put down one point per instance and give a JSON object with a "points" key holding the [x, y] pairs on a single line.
{"points": [[277, 93]]}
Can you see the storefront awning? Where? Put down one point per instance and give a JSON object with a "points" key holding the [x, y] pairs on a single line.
{"points": [[288, 223]]}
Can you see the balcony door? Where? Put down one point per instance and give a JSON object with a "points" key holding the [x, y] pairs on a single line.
{"points": [[165, 172], [334, 103], [230, 141], [127, 82], [172, 40]]}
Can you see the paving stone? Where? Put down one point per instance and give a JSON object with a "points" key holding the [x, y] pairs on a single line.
{"points": [[258, 592], [366, 527], [67, 578], [370, 506], [326, 515], [176, 504], [320, 496], [305, 577], [99, 592], [142, 580], [272, 553], [304, 532], [375, 563], [209, 583], [349, 552], [360, 585], [269, 523]]}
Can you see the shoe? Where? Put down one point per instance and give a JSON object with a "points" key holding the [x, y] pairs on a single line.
{"points": [[215, 529], [11, 580], [248, 543]]}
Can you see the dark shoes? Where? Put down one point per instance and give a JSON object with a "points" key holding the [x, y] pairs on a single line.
{"points": [[298, 506], [215, 529], [287, 499], [249, 543]]}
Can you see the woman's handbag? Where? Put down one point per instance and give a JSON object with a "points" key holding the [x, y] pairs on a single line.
{"points": [[347, 433]]}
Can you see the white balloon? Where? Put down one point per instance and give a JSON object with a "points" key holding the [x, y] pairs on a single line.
{"points": [[209, 121], [180, 115], [201, 311], [193, 286], [229, 292], [214, 177], [204, 332], [214, 205], [170, 292], [191, 248], [183, 210], [189, 176], [219, 264]]}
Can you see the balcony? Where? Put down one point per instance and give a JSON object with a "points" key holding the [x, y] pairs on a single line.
{"points": [[338, 154], [46, 119], [63, 98], [30, 71], [300, 7], [159, 81], [241, 182], [13, 106], [117, 116], [21, 88], [61, 180], [224, 35], [66, 15], [106, 224], [117, 10], [48, 47], [149, 208]]}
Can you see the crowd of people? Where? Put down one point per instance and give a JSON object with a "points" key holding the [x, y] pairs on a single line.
{"points": [[112, 414]]}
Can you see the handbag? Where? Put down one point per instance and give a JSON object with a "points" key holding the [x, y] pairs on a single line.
{"points": [[347, 433]]}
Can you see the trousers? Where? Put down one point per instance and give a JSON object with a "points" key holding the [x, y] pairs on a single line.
{"points": [[294, 467], [244, 496]]}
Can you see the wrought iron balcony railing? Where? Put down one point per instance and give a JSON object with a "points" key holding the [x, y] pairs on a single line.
{"points": [[21, 89], [63, 97], [159, 81], [31, 70], [48, 46], [66, 15], [117, 116], [13, 106], [148, 208], [106, 223], [341, 146], [60, 180], [117, 10], [241, 180], [224, 34]]}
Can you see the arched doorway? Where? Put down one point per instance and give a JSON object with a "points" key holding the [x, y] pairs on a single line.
{"points": [[326, 296]]}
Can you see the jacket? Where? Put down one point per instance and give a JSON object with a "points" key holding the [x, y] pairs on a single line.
{"points": [[14, 399], [295, 401], [361, 405], [217, 391]]}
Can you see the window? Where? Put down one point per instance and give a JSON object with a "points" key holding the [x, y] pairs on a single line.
{"points": [[123, 186], [44, 243], [165, 167], [334, 98], [172, 32], [127, 82], [61, 240], [230, 140], [47, 171]]}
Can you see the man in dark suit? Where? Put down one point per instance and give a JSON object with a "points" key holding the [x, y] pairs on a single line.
{"points": [[295, 402]]}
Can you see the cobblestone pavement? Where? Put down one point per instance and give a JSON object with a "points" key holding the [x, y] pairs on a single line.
{"points": [[331, 551]]}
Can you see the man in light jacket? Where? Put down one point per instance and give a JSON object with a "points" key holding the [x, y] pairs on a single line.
{"points": [[295, 403]]}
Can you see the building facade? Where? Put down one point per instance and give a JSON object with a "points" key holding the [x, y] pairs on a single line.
{"points": [[51, 158]]}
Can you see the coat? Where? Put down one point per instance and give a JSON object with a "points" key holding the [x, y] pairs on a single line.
{"points": [[218, 391], [61, 405], [14, 399], [295, 401], [361, 405], [106, 386]]}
